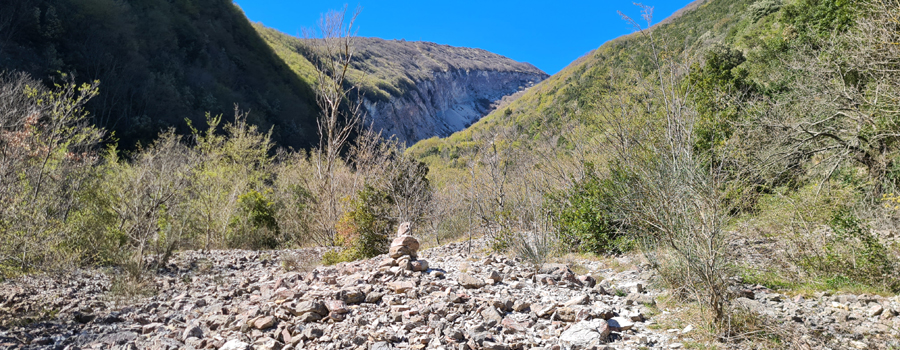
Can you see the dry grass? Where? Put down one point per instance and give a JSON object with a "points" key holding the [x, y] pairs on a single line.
{"points": [[742, 329], [303, 260]]}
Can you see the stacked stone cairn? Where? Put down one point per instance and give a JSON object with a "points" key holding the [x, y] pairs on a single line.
{"points": [[402, 253]]}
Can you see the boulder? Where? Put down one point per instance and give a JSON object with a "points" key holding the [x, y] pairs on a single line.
{"points": [[401, 286], [585, 335], [470, 282], [309, 306]]}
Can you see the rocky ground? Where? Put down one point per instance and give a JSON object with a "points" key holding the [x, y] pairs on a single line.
{"points": [[452, 297]]}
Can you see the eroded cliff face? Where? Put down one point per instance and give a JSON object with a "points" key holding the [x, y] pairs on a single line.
{"points": [[447, 103]]}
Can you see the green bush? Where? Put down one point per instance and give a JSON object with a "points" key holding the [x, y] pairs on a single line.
{"points": [[853, 255], [254, 226], [822, 17], [47, 154], [364, 231], [586, 216], [763, 8], [720, 86]]}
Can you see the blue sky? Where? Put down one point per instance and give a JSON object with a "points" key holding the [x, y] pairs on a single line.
{"points": [[548, 34]]}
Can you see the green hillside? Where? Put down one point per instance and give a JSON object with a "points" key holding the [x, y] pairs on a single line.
{"points": [[781, 113], [159, 62], [390, 68], [568, 95]]}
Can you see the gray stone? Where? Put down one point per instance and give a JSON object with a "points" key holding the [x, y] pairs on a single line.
{"points": [[491, 316], [382, 345], [374, 297], [401, 286], [875, 310], [309, 306], [543, 310], [470, 282], [266, 343], [351, 296], [495, 276], [619, 324], [519, 305], [585, 334], [419, 265], [578, 300], [264, 322], [192, 331], [311, 333], [336, 306], [235, 344]]}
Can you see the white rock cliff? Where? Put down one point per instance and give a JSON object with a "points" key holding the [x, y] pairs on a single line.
{"points": [[447, 103]]}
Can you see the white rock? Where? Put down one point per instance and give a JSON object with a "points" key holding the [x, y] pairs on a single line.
{"points": [[585, 334], [619, 324], [235, 344]]}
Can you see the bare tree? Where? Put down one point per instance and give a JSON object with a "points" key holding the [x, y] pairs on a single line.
{"points": [[149, 199], [672, 200], [341, 111], [844, 103]]}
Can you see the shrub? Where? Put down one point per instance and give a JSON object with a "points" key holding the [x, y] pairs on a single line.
{"points": [[364, 231], [254, 226], [763, 8], [233, 164], [586, 215], [148, 201], [296, 203], [852, 254], [47, 150]]}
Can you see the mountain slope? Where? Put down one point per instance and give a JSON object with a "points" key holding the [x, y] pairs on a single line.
{"points": [[568, 96], [159, 62], [415, 90]]}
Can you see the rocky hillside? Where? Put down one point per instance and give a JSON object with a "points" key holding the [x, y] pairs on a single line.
{"points": [[452, 297], [571, 96], [159, 62], [416, 90]]}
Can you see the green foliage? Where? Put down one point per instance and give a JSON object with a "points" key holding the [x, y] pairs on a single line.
{"points": [[823, 17], [47, 151], [254, 226], [763, 8], [364, 232], [234, 164], [160, 61], [586, 215], [147, 200], [720, 88], [853, 255], [332, 257]]}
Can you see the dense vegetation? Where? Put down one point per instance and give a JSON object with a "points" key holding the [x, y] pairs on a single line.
{"points": [[767, 121], [159, 63]]}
